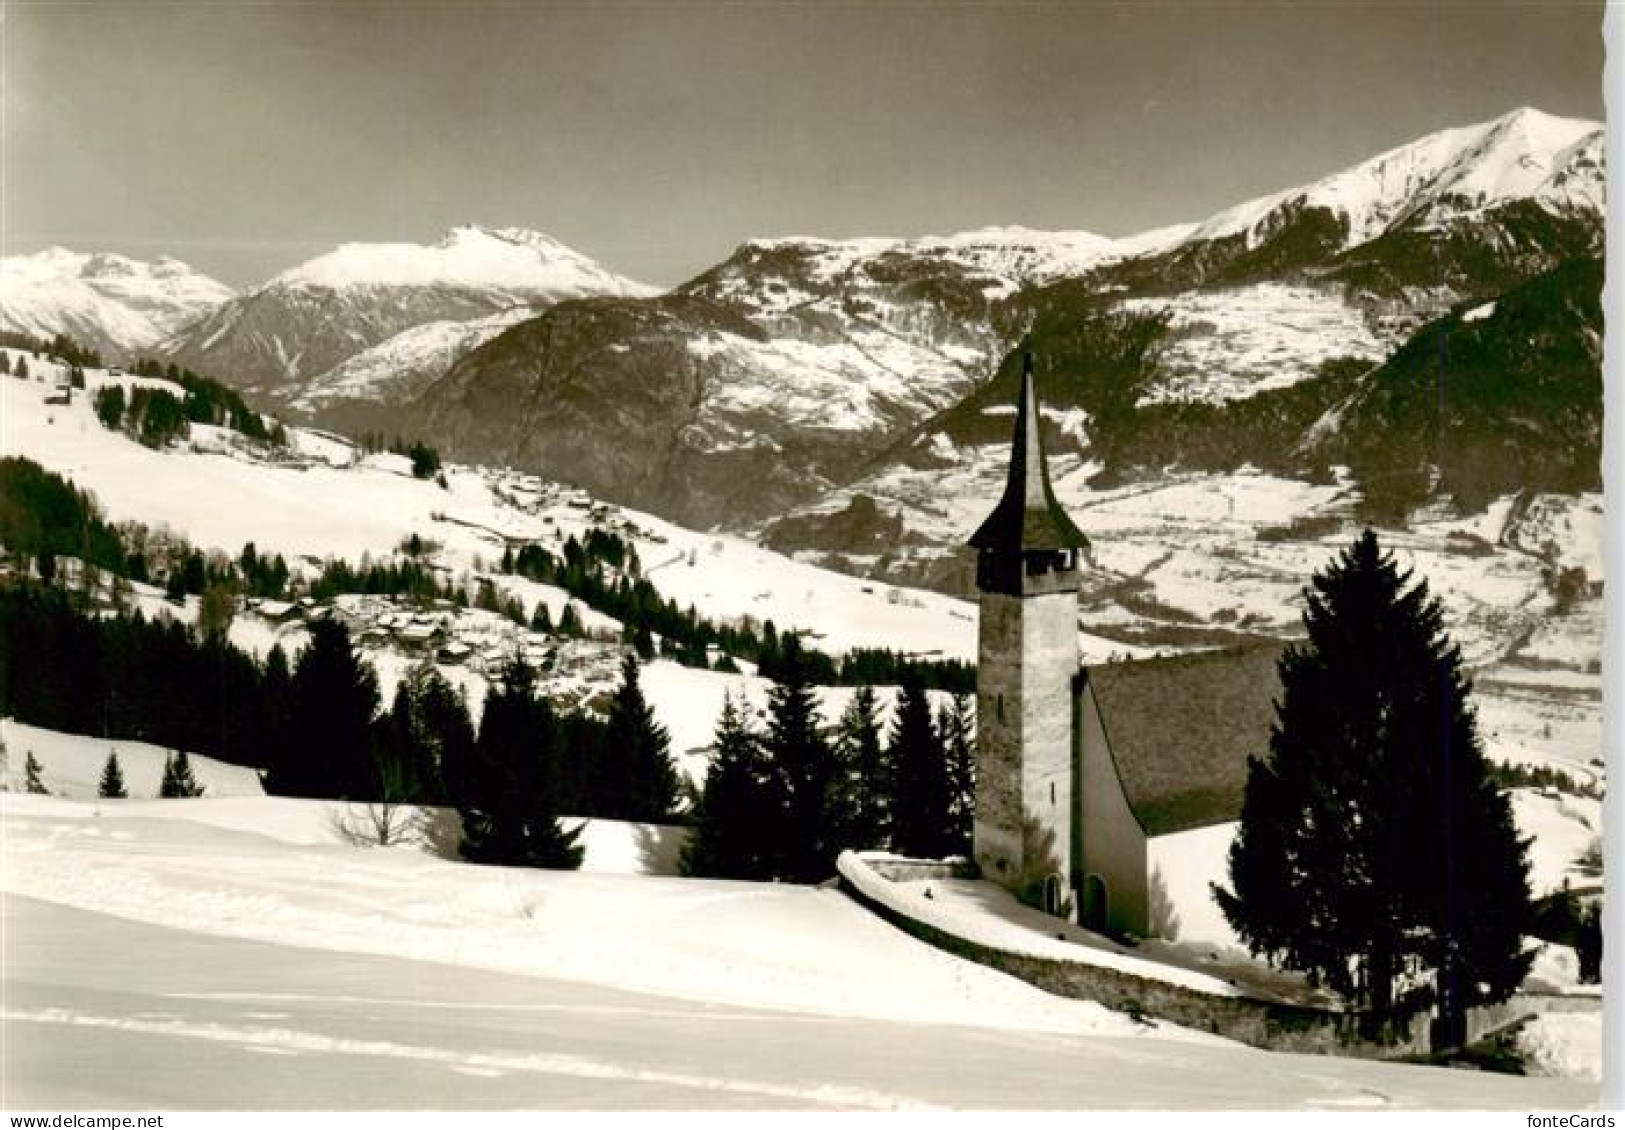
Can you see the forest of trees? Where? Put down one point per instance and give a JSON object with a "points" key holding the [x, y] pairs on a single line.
{"points": [[783, 799], [315, 725], [42, 516], [206, 401], [59, 348], [778, 802]]}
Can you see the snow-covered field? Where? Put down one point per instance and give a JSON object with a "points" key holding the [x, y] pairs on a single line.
{"points": [[240, 936], [106, 1012]]}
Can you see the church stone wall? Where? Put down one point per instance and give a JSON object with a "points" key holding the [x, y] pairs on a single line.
{"points": [[1111, 841], [1050, 641], [997, 835], [1027, 658]]}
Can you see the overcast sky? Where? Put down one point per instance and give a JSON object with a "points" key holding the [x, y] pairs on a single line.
{"points": [[243, 138]]}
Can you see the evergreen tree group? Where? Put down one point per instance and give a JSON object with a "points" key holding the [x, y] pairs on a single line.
{"points": [[736, 829], [178, 781], [1375, 851], [781, 802]]}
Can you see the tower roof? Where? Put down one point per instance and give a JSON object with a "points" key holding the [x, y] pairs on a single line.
{"points": [[1028, 516]]}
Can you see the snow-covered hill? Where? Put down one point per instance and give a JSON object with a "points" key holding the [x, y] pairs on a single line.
{"points": [[311, 318], [114, 304]]}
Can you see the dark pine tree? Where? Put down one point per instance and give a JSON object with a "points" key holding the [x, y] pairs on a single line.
{"points": [[570, 621], [956, 726], [639, 749], [863, 758], [741, 809], [329, 748], [920, 821], [112, 783], [1588, 944], [270, 737], [508, 792], [427, 729], [31, 776], [817, 803], [178, 780], [541, 620], [1374, 845]]}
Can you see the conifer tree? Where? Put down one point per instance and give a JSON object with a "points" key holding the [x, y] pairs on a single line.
{"points": [[920, 820], [31, 776], [178, 780], [817, 801], [276, 707], [5, 363], [1375, 851], [639, 751], [541, 620], [863, 757], [329, 747], [737, 822], [1588, 944], [570, 621], [508, 793], [956, 725], [21, 371], [112, 783], [428, 735]]}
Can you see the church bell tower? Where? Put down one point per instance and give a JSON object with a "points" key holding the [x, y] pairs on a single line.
{"points": [[1027, 570]]}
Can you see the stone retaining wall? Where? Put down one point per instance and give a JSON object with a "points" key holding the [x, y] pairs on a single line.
{"points": [[1263, 1024]]}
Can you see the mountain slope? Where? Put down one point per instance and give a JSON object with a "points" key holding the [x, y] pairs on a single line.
{"points": [[368, 385], [797, 363], [312, 318], [1378, 222], [1497, 397], [757, 383], [116, 305]]}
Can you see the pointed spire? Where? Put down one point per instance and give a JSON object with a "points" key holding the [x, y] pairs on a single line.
{"points": [[1028, 517]]}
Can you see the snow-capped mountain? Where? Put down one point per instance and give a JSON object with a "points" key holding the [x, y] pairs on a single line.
{"points": [[310, 319], [796, 364], [112, 303], [1409, 232], [1526, 155], [766, 376]]}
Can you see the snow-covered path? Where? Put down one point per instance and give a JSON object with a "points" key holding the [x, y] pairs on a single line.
{"points": [[101, 1011]]}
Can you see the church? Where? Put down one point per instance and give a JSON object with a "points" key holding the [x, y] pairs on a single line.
{"points": [[1078, 768]]}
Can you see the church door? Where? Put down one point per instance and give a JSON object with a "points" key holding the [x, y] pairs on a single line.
{"points": [[1094, 902]]}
